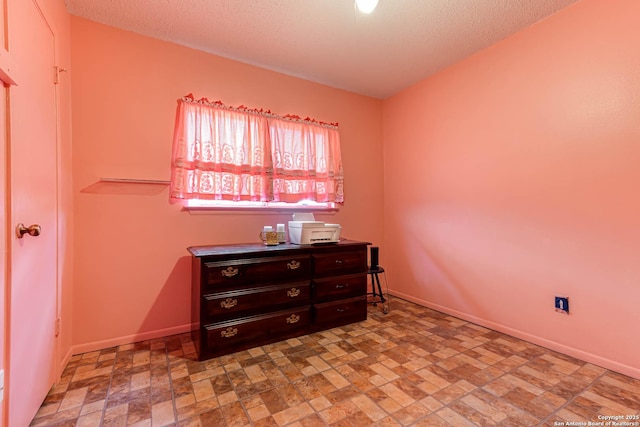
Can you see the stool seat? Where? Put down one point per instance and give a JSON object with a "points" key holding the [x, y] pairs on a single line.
{"points": [[375, 270]]}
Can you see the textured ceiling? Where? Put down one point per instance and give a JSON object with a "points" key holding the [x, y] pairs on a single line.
{"points": [[328, 41]]}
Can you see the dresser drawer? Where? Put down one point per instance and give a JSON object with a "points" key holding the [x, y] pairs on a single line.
{"points": [[230, 274], [337, 313], [340, 287], [255, 330], [224, 305], [332, 263]]}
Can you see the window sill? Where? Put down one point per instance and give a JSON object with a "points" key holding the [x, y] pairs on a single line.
{"points": [[266, 210]]}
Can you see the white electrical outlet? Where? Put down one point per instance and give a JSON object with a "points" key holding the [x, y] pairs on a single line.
{"points": [[1, 385]]}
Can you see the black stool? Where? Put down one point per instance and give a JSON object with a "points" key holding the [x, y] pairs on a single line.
{"points": [[374, 271]]}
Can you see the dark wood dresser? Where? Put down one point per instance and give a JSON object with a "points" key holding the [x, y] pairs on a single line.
{"points": [[249, 295]]}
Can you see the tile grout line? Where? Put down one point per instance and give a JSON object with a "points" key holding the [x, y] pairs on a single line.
{"points": [[106, 398], [576, 395], [271, 359], [173, 395], [295, 386], [244, 408], [448, 405]]}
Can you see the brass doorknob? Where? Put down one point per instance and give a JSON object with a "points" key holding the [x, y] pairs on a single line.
{"points": [[32, 230]]}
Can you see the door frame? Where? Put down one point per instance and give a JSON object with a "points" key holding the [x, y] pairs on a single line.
{"points": [[7, 79]]}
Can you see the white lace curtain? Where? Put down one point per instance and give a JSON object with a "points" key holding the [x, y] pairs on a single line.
{"points": [[227, 153]]}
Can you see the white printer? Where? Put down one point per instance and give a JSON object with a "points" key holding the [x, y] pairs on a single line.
{"points": [[305, 230]]}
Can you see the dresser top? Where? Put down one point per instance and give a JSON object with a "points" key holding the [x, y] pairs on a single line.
{"points": [[243, 248]]}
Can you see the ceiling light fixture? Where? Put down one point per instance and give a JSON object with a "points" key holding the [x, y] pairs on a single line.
{"points": [[366, 6]]}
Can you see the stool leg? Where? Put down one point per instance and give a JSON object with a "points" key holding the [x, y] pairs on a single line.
{"points": [[373, 291], [379, 287]]}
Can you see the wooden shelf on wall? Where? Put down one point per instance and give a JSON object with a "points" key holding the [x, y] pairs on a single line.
{"points": [[142, 187]]}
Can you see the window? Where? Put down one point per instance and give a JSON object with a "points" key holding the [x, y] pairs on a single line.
{"points": [[240, 155]]}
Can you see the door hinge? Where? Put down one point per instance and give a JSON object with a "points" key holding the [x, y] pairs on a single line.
{"points": [[57, 327], [56, 74]]}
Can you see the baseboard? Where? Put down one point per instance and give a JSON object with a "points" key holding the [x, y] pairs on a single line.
{"points": [[63, 363], [128, 339], [552, 345]]}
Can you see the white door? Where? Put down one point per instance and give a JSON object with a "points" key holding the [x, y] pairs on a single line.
{"points": [[33, 200]]}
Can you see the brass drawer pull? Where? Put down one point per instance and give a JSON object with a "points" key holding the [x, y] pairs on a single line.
{"points": [[339, 261], [229, 303], [229, 272], [341, 310], [229, 332], [294, 318], [346, 285], [293, 292], [293, 265]]}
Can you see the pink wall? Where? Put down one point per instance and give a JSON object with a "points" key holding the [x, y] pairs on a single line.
{"points": [[512, 177], [132, 271]]}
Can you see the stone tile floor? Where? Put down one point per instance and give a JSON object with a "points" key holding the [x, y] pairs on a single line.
{"points": [[410, 367]]}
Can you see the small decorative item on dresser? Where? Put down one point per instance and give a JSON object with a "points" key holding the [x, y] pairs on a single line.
{"points": [[268, 236], [281, 234]]}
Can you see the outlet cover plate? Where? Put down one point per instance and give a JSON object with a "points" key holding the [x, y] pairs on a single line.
{"points": [[562, 305]]}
